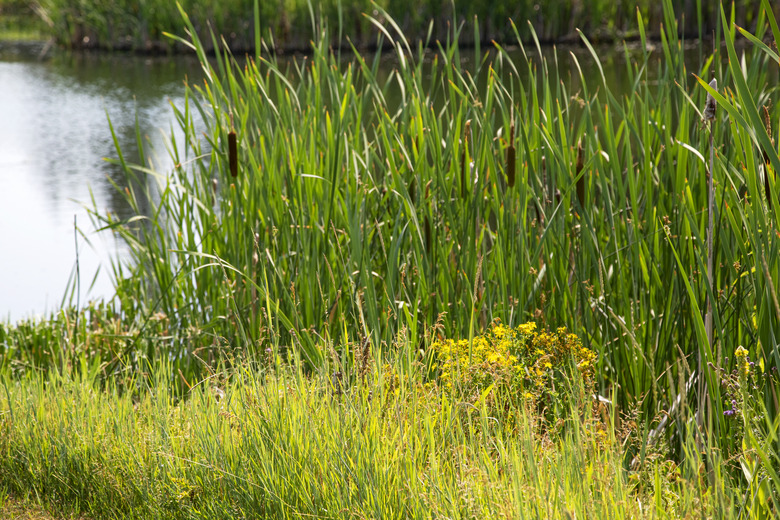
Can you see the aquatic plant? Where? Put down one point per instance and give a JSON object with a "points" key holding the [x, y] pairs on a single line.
{"points": [[365, 205]]}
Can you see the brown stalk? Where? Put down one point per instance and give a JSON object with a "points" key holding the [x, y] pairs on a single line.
{"points": [[767, 163]]}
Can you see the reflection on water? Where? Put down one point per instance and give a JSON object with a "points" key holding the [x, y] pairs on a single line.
{"points": [[54, 136]]}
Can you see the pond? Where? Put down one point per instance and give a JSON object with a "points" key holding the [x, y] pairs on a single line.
{"points": [[54, 136]]}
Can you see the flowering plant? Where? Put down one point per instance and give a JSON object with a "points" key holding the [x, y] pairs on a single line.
{"points": [[537, 368]]}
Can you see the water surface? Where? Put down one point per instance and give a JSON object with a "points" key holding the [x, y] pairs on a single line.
{"points": [[54, 138]]}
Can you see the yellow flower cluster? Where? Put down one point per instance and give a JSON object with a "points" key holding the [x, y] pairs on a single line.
{"points": [[527, 362], [743, 363]]}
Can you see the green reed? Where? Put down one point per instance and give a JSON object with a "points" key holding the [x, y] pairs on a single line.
{"points": [[370, 206]]}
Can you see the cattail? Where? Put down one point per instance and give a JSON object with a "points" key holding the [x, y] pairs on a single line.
{"points": [[427, 222], [581, 179], [510, 158], [767, 163], [233, 153], [463, 183], [711, 105]]}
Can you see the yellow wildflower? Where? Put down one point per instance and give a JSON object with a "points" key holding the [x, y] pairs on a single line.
{"points": [[743, 363], [527, 328]]}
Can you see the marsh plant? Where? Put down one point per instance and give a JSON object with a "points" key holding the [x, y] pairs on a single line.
{"points": [[366, 203]]}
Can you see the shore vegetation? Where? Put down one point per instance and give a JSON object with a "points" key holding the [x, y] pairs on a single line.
{"points": [[472, 287]]}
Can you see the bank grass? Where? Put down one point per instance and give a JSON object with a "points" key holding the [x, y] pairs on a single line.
{"points": [[370, 210], [266, 439]]}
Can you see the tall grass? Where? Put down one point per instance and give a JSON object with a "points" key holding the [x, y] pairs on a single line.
{"points": [[338, 218], [369, 207], [277, 444]]}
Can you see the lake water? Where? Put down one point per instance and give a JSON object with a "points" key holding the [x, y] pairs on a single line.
{"points": [[54, 136]]}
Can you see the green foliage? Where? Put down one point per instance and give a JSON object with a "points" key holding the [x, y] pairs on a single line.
{"points": [[276, 444], [366, 207], [370, 208], [140, 25]]}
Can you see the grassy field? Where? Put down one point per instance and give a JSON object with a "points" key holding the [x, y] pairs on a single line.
{"points": [[374, 441], [328, 308]]}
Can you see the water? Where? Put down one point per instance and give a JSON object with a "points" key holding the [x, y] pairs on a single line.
{"points": [[54, 136]]}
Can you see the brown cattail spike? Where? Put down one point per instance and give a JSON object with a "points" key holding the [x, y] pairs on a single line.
{"points": [[711, 105], [463, 183], [510, 158], [767, 163], [233, 153], [580, 179]]}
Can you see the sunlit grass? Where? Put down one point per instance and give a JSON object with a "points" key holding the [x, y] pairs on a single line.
{"points": [[273, 443]]}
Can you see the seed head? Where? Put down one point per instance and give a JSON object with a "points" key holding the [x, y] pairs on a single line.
{"points": [[711, 105]]}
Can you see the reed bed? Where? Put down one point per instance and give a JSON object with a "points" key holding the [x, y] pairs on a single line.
{"points": [[364, 208]]}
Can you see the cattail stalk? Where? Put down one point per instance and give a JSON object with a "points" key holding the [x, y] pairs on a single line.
{"points": [[709, 117]]}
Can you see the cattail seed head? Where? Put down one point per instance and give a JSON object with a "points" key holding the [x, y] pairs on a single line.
{"points": [[511, 157], [233, 153], [578, 170], [711, 105]]}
